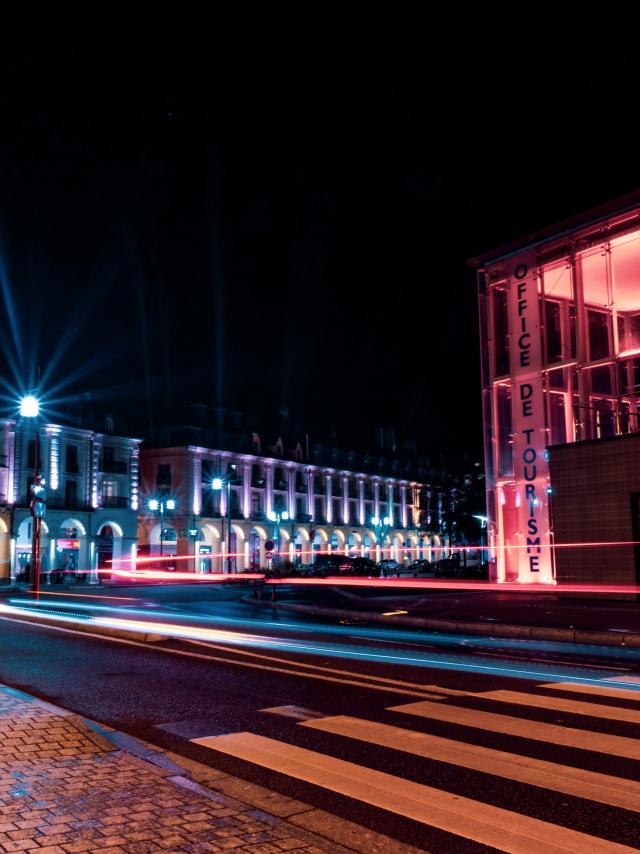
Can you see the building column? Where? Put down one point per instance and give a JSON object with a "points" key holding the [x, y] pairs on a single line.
{"points": [[345, 500], [246, 490], [403, 506], [376, 499], [361, 511], [291, 492], [390, 505], [329, 499], [311, 507], [268, 474], [196, 471]]}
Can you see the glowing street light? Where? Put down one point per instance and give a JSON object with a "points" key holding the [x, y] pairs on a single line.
{"points": [[217, 484], [159, 506], [276, 516], [29, 406]]}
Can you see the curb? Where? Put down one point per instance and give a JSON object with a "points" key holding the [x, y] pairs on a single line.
{"points": [[91, 628], [322, 828], [497, 630]]}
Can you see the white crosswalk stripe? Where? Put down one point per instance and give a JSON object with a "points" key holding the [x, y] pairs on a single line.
{"points": [[614, 745], [595, 690], [474, 820], [511, 766], [560, 704]]}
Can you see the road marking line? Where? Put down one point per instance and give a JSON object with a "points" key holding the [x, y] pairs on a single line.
{"points": [[560, 704], [615, 745], [295, 712], [231, 662], [598, 690], [381, 680], [508, 831], [615, 791]]}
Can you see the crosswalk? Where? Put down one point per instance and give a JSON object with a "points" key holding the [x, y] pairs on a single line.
{"points": [[404, 730]]}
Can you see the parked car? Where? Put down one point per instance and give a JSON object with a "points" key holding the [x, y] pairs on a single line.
{"points": [[365, 567], [389, 568], [332, 564], [421, 566], [336, 565]]}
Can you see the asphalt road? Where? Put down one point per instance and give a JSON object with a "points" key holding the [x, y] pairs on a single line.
{"points": [[349, 693]]}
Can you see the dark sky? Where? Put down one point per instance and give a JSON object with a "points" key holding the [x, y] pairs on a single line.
{"points": [[263, 211]]}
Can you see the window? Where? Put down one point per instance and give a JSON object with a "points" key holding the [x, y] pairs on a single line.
{"points": [[598, 334], [70, 493], [257, 478], [163, 475], [505, 445], [71, 459], [553, 327], [501, 332], [558, 423], [256, 503], [109, 488]]}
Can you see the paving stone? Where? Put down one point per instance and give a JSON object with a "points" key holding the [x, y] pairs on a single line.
{"points": [[66, 788]]}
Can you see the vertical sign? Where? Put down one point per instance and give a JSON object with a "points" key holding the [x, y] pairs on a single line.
{"points": [[531, 471]]}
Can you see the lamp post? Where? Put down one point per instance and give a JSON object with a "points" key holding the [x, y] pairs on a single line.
{"points": [[483, 527], [218, 483], [30, 408], [381, 527], [276, 517], [159, 506]]}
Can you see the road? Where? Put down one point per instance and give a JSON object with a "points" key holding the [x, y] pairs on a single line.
{"points": [[453, 744]]}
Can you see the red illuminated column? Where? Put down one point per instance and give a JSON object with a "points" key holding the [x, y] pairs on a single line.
{"points": [[526, 525]]}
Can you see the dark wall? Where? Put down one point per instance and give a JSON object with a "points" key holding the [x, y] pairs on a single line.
{"points": [[593, 487]]}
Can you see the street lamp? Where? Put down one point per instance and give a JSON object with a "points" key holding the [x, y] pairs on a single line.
{"points": [[159, 506], [217, 484], [276, 516], [381, 528], [30, 408], [483, 527]]}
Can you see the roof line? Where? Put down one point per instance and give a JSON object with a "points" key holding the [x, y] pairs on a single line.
{"points": [[619, 205]]}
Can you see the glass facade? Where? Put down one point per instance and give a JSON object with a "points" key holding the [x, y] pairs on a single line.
{"points": [[560, 351]]}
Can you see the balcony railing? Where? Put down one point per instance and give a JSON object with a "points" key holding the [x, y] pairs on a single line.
{"points": [[115, 501], [113, 466]]}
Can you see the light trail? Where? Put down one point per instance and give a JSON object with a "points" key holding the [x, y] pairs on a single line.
{"points": [[371, 633], [228, 639], [381, 583], [469, 547]]}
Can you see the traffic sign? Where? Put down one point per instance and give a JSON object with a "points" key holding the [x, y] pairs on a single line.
{"points": [[269, 545]]}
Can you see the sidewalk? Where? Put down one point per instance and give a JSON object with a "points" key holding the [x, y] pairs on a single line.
{"points": [[70, 785]]}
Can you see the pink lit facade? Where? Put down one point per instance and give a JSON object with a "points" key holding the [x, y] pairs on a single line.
{"points": [[560, 348]]}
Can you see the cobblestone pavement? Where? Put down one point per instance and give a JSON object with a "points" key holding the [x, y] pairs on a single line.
{"points": [[64, 787]]}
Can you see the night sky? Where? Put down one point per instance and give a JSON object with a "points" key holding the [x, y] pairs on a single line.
{"points": [[269, 211]]}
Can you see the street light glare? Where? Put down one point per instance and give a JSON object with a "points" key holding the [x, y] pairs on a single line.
{"points": [[171, 504], [285, 515], [29, 406], [153, 504], [216, 483], [271, 516]]}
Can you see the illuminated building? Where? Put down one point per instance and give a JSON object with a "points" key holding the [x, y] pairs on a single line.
{"points": [[92, 497], [560, 353], [330, 507]]}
